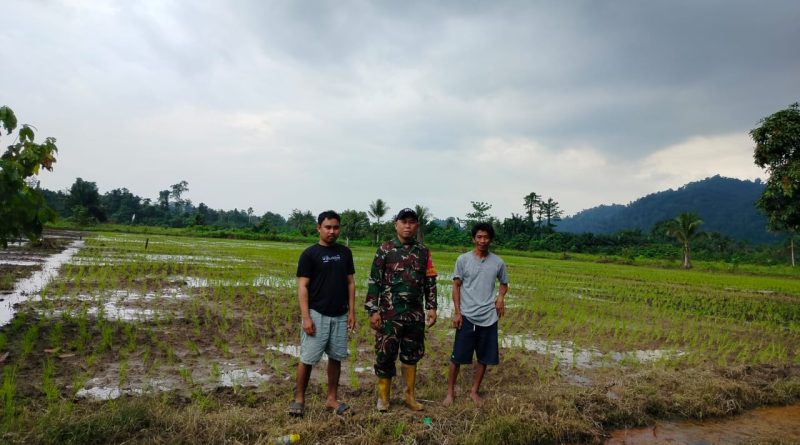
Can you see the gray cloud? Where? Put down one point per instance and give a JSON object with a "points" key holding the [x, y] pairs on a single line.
{"points": [[461, 100]]}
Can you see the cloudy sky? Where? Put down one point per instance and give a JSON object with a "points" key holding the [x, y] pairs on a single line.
{"points": [[279, 105]]}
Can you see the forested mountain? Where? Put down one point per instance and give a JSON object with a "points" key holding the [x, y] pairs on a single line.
{"points": [[726, 205]]}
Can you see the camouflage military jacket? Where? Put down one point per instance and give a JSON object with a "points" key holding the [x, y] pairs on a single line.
{"points": [[402, 280]]}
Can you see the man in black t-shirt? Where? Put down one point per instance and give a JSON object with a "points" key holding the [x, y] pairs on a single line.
{"points": [[326, 291]]}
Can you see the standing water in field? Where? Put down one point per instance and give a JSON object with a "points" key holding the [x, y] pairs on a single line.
{"points": [[763, 424], [31, 286]]}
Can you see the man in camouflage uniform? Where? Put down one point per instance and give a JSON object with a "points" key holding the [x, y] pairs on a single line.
{"points": [[402, 288]]}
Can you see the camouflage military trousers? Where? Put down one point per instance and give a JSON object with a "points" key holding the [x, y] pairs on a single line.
{"points": [[404, 334]]}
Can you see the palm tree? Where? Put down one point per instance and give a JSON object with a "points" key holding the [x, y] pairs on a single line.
{"points": [[683, 228], [423, 215], [377, 210]]}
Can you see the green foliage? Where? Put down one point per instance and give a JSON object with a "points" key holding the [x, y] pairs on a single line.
{"points": [[84, 199], [684, 227], [450, 235], [424, 215], [354, 224], [23, 211], [778, 150], [378, 209], [114, 423], [550, 212], [529, 203], [270, 223], [479, 213], [302, 222]]}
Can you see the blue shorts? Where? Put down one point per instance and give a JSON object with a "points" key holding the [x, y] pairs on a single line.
{"points": [[482, 340], [330, 337]]}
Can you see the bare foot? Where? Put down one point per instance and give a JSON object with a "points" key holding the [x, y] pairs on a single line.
{"points": [[331, 403], [477, 399], [448, 400]]}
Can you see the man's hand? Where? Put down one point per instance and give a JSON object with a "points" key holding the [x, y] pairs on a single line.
{"points": [[308, 326], [375, 321], [430, 320], [500, 305], [351, 321], [457, 321]]}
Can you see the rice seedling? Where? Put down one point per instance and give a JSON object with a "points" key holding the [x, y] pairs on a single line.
{"points": [[9, 391], [123, 372], [186, 375], [49, 386], [29, 341]]}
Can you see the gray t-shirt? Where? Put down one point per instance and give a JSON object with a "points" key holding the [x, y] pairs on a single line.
{"points": [[478, 278]]}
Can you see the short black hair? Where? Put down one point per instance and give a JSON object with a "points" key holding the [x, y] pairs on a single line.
{"points": [[328, 214], [483, 226]]}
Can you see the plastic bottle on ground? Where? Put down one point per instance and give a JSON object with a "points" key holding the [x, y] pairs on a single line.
{"points": [[289, 439]]}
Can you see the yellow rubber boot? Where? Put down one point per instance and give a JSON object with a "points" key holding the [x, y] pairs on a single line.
{"points": [[384, 387], [410, 375]]}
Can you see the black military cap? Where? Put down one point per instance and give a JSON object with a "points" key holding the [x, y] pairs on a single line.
{"points": [[406, 213]]}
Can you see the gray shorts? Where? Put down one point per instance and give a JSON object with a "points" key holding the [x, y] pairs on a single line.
{"points": [[330, 337]]}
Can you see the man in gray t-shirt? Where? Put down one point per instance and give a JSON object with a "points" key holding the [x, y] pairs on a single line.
{"points": [[476, 310]]}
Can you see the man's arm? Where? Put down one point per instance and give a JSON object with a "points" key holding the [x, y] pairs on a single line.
{"points": [[372, 304], [305, 313], [457, 303], [430, 300], [351, 302], [429, 290], [500, 304], [502, 275]]}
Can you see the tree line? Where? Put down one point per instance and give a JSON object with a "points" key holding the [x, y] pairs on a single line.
{"points": [[25, 208], [533, 229]]}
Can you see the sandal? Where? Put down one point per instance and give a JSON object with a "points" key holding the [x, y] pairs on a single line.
{"points": [[343, 409], [296, 409]]}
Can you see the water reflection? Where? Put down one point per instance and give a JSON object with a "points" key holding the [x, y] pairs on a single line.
{"points": [[570, 355], [260, 281], [774, 424], [122, 304], [242, 377], [96, 389], [34, 284]]}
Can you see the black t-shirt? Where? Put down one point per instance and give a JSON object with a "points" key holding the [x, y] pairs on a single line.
{"points": [[327, 267]]}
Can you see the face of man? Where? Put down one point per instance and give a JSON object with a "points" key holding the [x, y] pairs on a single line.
{"points": [[482, 240], [406, 228], [328, 231]]}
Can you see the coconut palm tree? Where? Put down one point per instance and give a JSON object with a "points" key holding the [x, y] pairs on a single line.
{"points": [[684, 227], [423, 215], [377, 210]]}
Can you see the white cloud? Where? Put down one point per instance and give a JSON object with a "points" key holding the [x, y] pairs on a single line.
{"points": [[700, 157]]}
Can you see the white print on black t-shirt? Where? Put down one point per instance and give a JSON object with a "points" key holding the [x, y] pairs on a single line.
{"points": [[327, 258]]}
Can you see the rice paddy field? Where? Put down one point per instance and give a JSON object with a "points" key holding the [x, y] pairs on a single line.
{"points": [[158, 339]]}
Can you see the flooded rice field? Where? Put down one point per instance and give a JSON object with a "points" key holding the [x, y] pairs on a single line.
{"points": [[45, 268], [773, 424], [122, 317]]}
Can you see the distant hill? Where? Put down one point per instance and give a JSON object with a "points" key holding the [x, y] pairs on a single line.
{"points": [[726, 205]]}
